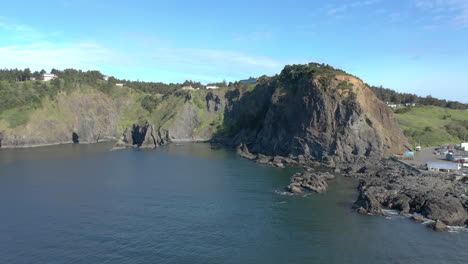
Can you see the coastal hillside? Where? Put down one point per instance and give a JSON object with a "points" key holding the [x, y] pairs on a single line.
{"points": [[433, 125], [83, 107], [310, 111]]}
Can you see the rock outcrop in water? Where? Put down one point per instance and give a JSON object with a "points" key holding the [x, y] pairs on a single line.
{"points": [[310, 181]]}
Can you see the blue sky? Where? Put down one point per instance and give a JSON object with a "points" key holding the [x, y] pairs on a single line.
{"points": [[411, 46]]}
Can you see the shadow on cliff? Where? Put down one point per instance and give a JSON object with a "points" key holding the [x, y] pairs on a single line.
{"points": [[244, 115], [75, 138]]}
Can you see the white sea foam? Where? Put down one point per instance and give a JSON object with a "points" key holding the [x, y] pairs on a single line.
{"points": [[457, 229], [390, 212], [282, 192]]}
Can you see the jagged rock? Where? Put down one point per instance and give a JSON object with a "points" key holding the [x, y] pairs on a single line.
{"points": [[243, 151], [278, 161], [328, 176], [417, 218], [361, 210], [401, 203], [149, 140], [438, 226], [143, 136], [262, 159], [447, 209], [311, 181], [295, 189]]}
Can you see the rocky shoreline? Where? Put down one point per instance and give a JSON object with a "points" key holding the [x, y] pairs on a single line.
{"points": [[383, 184], [394, 185]]}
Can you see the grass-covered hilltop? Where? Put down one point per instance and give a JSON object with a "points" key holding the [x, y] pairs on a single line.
{"points": [[95, 107], [88, 107]]}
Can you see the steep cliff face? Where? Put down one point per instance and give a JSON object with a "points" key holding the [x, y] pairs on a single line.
{"points": [[81, 117], [322, 116], [189, 116]]}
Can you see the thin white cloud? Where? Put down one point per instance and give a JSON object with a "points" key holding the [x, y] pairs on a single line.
{"points": [[46, 55], [90, 55], [334, 10], [19, 31], [456, 9], [157, 56], [217, 63]]}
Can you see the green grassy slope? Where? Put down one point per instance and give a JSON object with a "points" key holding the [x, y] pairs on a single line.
{"points": [[432, 125]]}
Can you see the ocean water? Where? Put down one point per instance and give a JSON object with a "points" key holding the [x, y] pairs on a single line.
{"points": [[188, 203]]}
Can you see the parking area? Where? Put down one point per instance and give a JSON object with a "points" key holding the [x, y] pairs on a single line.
{"points": [[427, 155]]}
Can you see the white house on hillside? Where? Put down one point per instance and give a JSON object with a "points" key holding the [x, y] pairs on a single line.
{"points": [[212, 87], [106, 78], [49, 76], [188, 88], [392, 105]]}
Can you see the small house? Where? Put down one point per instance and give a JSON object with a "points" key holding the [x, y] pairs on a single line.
{"points": [[212, 87], [49, 76], [392, 105], [188, 88], [119, 84]]}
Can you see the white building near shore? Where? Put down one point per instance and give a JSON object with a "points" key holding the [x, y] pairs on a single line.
{"points": [[445, 167], [464, 146]]}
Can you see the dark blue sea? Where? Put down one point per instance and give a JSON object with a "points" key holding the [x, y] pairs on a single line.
{"points": [[188, 203]]}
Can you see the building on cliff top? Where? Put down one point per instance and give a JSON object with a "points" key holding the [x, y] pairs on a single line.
{"points": [[188, 88], [392, 105], [49, 76], [249, 81]]}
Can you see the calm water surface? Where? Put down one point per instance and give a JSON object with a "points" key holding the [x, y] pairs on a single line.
{"points": [[190, 204]]}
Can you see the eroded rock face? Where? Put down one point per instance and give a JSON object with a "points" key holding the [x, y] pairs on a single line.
{"points": [[215, 103], [313, 119], [91, 116], [144, 136]]}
